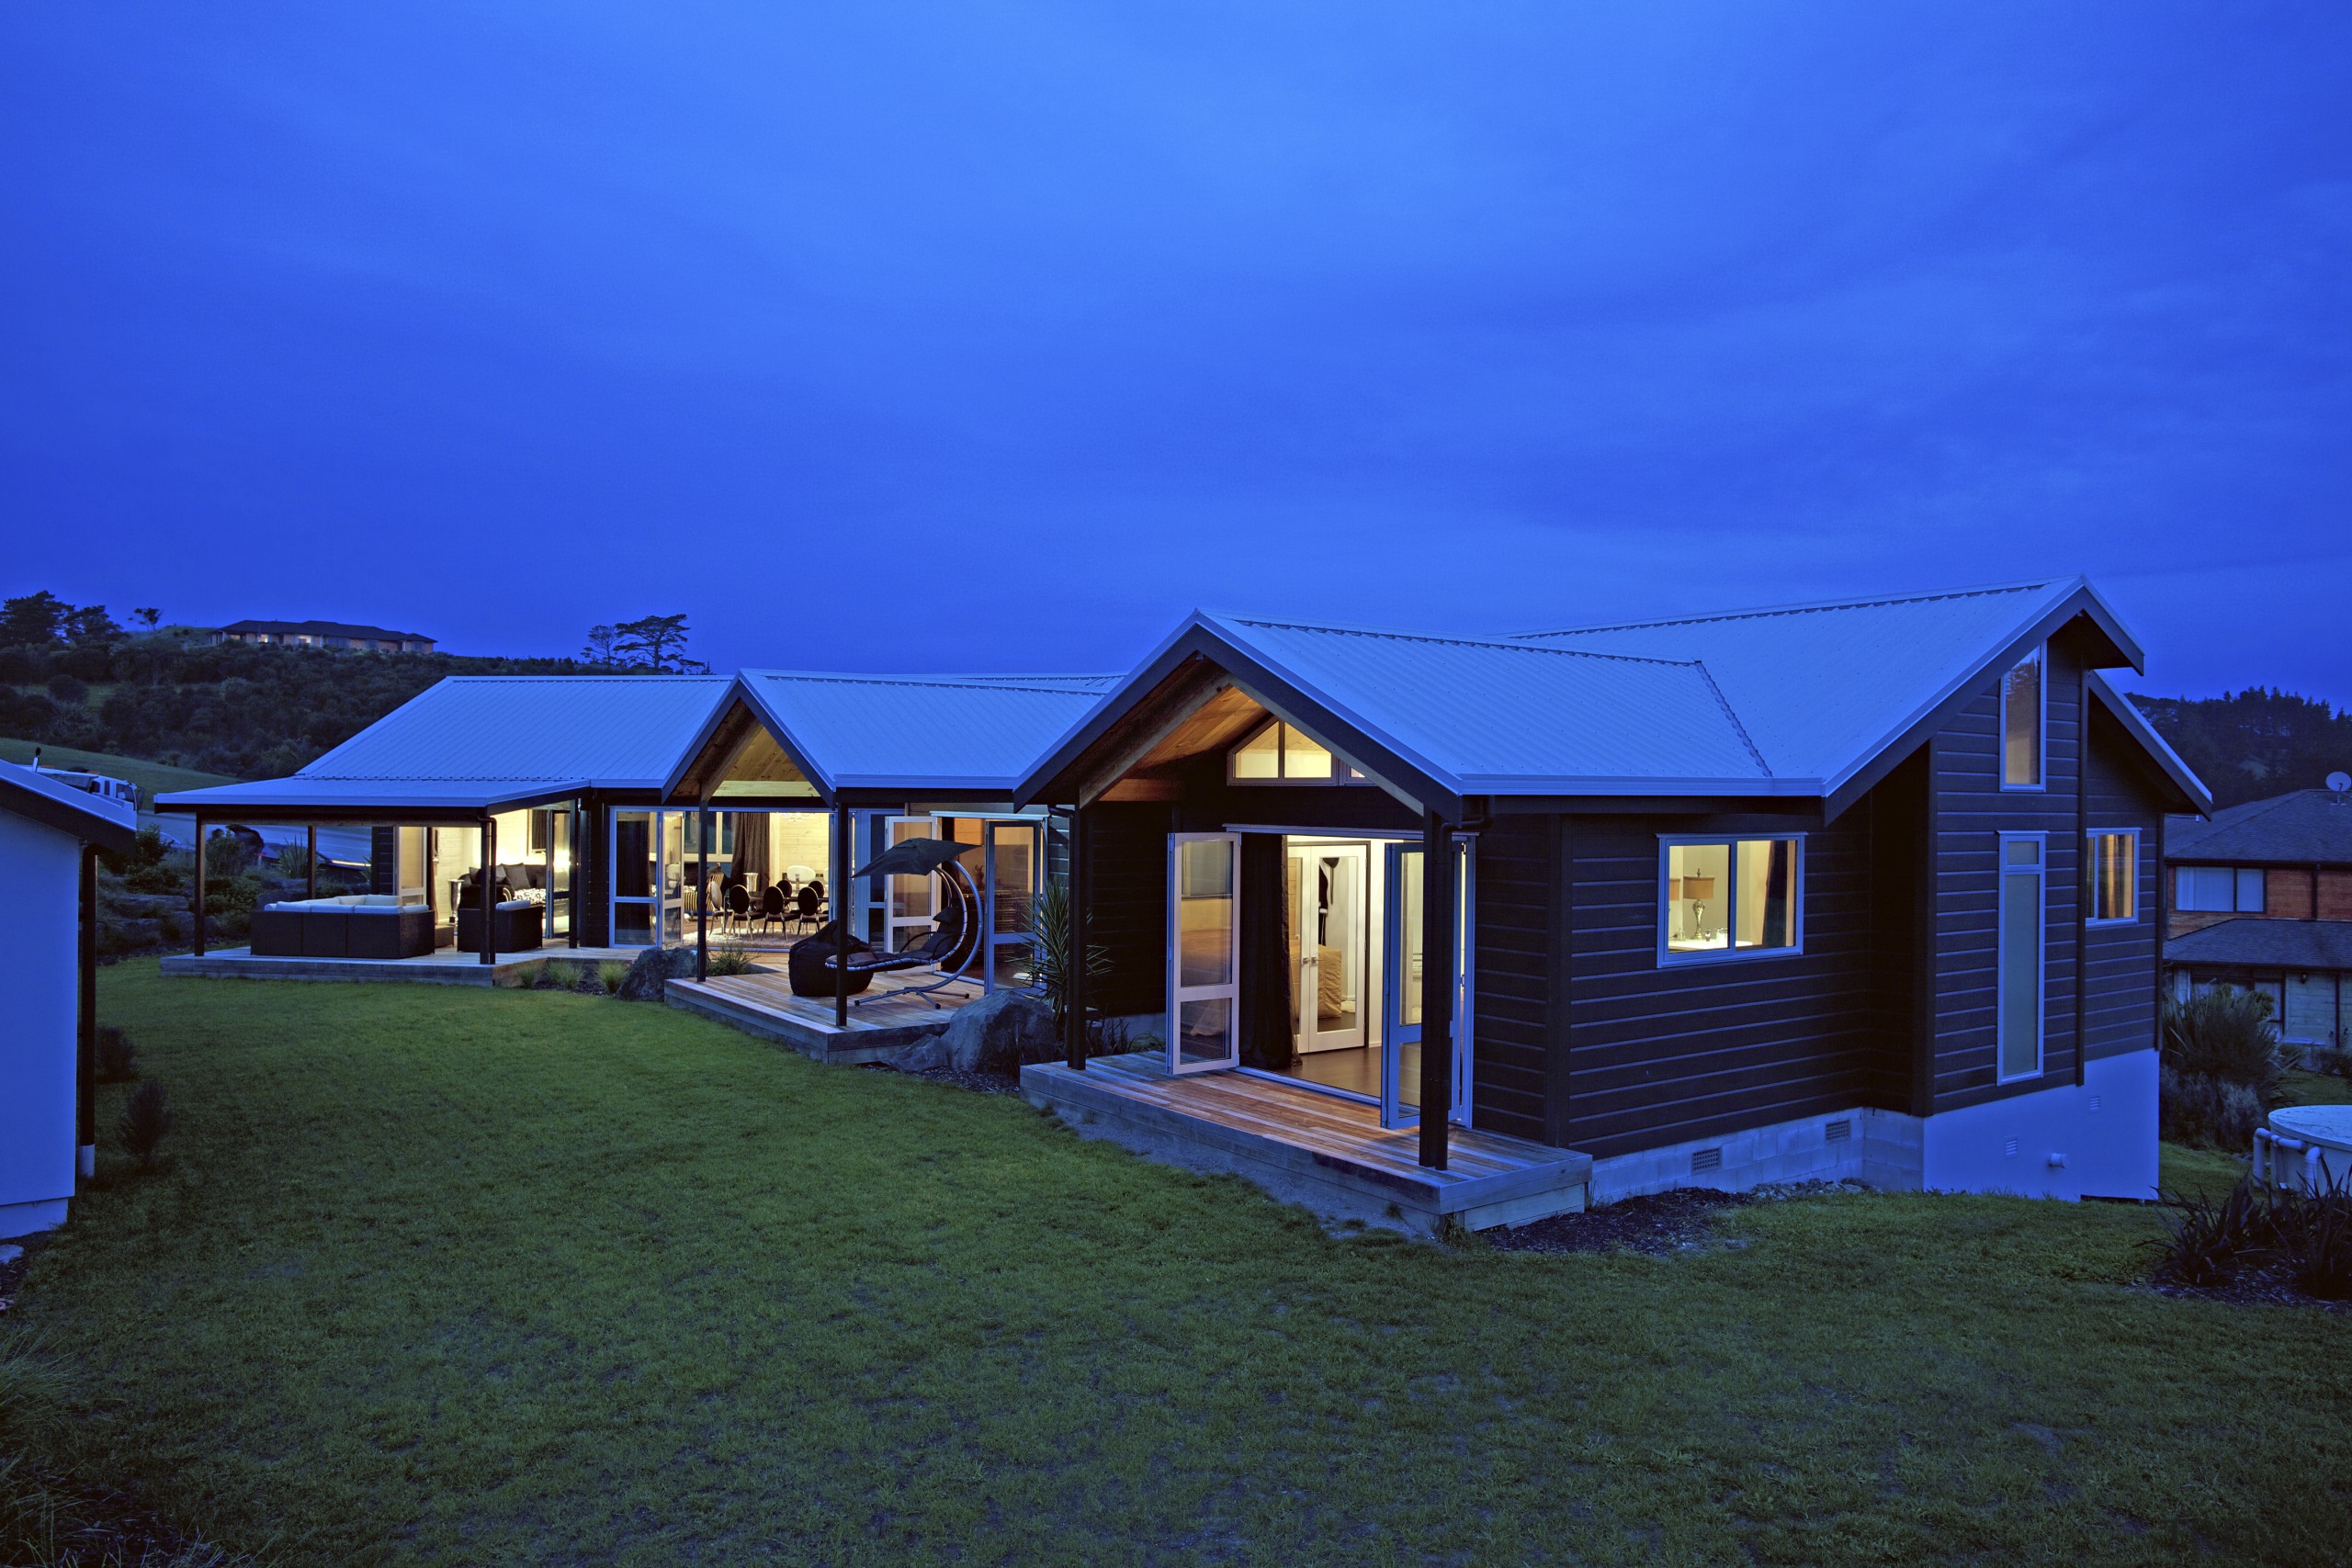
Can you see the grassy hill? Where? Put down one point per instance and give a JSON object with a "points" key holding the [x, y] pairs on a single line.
{"points": [[152, 778]]}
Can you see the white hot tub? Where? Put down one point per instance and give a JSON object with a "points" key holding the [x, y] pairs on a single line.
{"points": [[2306, 1146]]}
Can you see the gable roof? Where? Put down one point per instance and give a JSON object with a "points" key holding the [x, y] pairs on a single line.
{"points": [[2300, 827], [483, 741], [109, 823], [1793, 700], [1826, 688], [325, 628], [968, 735]]}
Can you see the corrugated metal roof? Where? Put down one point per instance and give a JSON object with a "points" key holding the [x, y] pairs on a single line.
{"points": [[1824, 688], [2304, 826], [919, 732], [615, 732], [311, 794], [1502, 715]]}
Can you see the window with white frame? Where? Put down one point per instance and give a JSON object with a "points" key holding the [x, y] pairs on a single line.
{"points": [[2022, 726], [2219, 889], [1283, 753], [2018, 1017], [2115, 875], [1730, 897]]}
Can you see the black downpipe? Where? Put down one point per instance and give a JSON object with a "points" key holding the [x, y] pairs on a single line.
{"points": [[85, 1034]]}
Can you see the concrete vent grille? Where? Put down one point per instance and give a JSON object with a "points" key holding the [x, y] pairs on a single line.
{"points": [[1838, 1131], [1706, 1159]]}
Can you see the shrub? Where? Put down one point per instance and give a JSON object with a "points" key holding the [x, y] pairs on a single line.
{"points": [[612, 974], [550, 977], [2209, 1241], [144, 1122], [2318, 1243], [70, 690], [729, 958], [1049, 948], [118, 1058], [2206, 1113], [2226, 1034]]}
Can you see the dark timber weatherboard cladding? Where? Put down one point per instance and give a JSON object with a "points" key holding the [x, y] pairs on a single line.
{"points": [[1128, 917], [1660, 1053], [1971, 811], [2123, 1003], [1511, 979]]}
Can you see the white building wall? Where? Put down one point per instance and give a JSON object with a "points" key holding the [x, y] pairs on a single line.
{"points": [[2095, 1140], [41, 871]]}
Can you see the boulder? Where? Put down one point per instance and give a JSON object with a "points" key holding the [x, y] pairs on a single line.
{"points": [[999, 1033], [654, 969]]}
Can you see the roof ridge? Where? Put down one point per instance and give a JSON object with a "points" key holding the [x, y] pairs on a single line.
{"points": [[1503, 644], [599, 679], [933, 682], [1814, 607]]}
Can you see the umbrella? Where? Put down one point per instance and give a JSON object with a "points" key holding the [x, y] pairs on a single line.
{"points": [[914, 857]]}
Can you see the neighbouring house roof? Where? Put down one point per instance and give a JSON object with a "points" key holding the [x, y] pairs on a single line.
{"points": [[487, 742], [2266, 945], [325, 628], [1794, 700], [108, 824], [955, 735], [2305, 827]]}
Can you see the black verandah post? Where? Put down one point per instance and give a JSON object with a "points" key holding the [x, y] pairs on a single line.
{"points": [[486, 886], [702, 892], [85, 1036], [1074, 960], [197, 917], [840, 913], [1437, 987]]}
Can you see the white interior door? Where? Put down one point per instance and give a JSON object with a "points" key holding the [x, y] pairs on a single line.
{"points": [[1204, 952], [1330, 966]]}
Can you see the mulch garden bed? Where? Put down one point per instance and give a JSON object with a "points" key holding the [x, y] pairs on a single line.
{"points": [[1658, 1224], [2263, 1284], [977, 1082]]}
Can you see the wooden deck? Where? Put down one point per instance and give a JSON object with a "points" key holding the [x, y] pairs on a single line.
{"points": [[1328, 1154], [448, 966], [885, 1024]]}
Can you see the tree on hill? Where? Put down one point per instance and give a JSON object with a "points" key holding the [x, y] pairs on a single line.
{"points": [[2255, 743], [655, 643]]}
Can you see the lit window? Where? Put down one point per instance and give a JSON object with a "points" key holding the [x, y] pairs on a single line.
{"points": [[1732, 895], [2022, 726], [1284, 752], [2115, 876]]}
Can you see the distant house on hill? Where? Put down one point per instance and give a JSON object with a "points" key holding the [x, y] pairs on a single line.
{"points": [[325, 634], [2261, 899]]}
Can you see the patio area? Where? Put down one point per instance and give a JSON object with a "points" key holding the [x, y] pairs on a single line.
{"points": [[1326, 1153], [882, 1022]]}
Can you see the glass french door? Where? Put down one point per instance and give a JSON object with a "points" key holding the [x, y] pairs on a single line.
{"points": [[1012, 866], [1329, 935], [1404, 966], [1400, 1028], [648, 860], [1204, 952]]}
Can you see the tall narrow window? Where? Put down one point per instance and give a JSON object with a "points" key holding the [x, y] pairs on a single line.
{"points": [[2022, 726], [2115, 875], [1726, 897], [2017, 1013]]}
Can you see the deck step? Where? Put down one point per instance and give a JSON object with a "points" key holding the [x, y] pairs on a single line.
{"points": [[1328, 1154]]}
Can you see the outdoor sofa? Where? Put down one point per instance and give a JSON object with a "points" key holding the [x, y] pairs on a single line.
{"points": [[519, 928], [358, 925]]}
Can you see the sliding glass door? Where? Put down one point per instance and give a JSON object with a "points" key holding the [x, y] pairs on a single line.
{"points": [[1405, 967]]}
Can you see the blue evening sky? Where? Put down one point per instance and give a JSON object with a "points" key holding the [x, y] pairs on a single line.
{"points": [[998, 335]]}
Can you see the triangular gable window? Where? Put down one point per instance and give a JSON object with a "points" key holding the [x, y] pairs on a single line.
{"points": [[1283, 754]]}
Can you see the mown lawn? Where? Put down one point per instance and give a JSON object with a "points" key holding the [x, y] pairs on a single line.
{"points": [[528, 1277]]}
